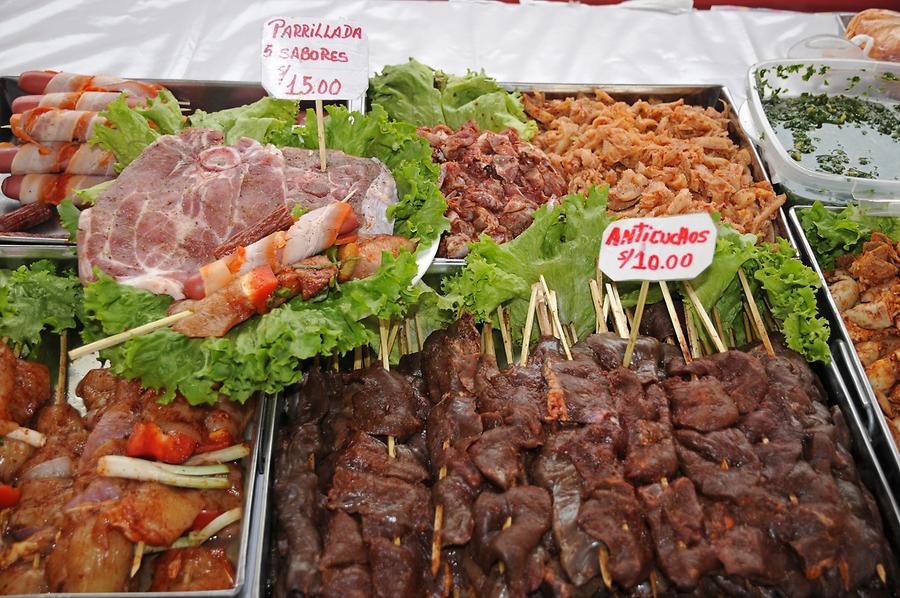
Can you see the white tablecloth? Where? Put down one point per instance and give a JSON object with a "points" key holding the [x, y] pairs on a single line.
{"points": [[558, 42]]}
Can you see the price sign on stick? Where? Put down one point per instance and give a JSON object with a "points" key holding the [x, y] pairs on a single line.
{"points": [[309, 59], [667, 248], [314, 59], [658, 249]]}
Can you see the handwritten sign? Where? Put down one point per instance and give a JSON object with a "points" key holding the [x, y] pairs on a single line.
{"points": [[310, 59], [667, 248]]}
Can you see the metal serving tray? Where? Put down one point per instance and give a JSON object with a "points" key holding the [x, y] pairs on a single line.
{"points": [[877, 425], [204, 95], [714, 96], [258, 433]]}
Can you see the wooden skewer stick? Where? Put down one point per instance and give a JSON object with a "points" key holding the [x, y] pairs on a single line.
{"points": [[385, 363], [407, 335], [506, 525], [676, 323], [696, 350], [554, 314], [600, 322], [383, 338], [573, 332], [62, 372], [320, 127], [357, 358], [438, 520], [541, 308], [603, 558], [504, 334], [704, 317], [606, 303], [636, 325], [760, 327], [882, 575], [529, 323], [487, 332], [138, 556], [117, 339], [718, 322], [748, 330], [619, 321]]}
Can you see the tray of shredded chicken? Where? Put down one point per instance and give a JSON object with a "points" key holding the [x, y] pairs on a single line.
{"points": [[106, 488], [49, 148], [861, 292], [662, 149]]}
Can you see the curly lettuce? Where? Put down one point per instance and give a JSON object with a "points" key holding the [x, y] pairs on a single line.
{"points": [[419, 213], [418, 94], [262, 120], [561, 244], [263, 354], [35, 298], [832, 233], [130, 130]]}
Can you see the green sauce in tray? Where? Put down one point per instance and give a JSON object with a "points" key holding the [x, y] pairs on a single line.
{"points": [[839, 134]]}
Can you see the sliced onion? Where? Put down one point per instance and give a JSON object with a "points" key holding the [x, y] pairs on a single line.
{"points": [[60, 467]]}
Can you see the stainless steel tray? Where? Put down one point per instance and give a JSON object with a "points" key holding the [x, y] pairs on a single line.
{"points": [[258, 433], [877, 425], [715, 96], [205, 95]]}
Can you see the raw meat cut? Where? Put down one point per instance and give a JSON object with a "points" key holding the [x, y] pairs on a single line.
{"points": [[180, 199], [187, 194]]}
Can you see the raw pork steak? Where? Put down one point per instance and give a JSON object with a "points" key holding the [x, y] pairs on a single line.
{"points": [[169, 209]]}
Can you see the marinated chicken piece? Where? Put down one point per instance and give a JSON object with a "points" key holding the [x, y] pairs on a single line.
{"points": [[844, 290], [871, 316], [876, 263], [192, 570], [89, 557], [23, 578], [366, 253], [153, 513], [24, 387]]}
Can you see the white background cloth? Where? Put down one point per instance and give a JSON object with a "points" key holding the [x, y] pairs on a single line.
{"points": [[537, 42]]}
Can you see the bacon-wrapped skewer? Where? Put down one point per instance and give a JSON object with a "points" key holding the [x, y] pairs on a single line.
{"points": [[57, 157], [47, 188], [311, 234], [254, 292], [45, 124], [94, 101], [40, 82]]}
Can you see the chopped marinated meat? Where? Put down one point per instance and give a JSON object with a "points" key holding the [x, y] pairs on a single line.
{"points": [[497, 455], [343, 543], [383, 402], [452, 420], [676, 523], [742, 376], [528, 509], [449, 359], [721, 463], [701, 405], [577, 391], [742, 551], [404, 506], [367, 454], [648, 361], [153, 513], [615, 518], [492, 182], [192, 570], [24, 387], [89, 557], [347, 582], [395, 570]]}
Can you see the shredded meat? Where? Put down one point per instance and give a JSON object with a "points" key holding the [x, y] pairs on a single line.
{"points": [[658, 159]]}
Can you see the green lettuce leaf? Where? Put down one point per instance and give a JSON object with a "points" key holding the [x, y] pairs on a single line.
{"points": [[419, 213], [261, 120], [789, 288], [561, 244], [261, 354], [131, 130], [164, 112], [68, 217], [418, 94], [832, 233], [34, 298], [88, 197]]}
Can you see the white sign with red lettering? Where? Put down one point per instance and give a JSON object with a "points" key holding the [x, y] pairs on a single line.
{"points": [[314, 59], [666, 248]]}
